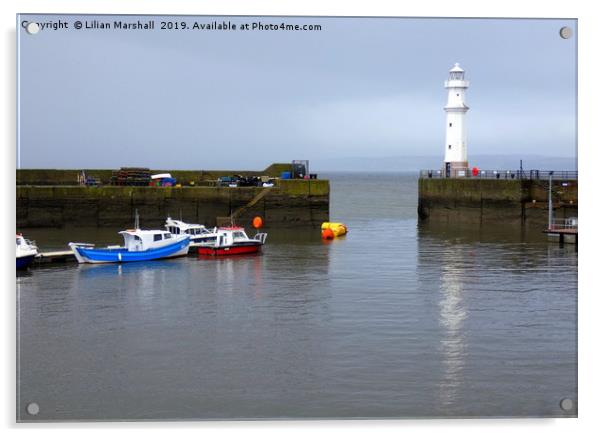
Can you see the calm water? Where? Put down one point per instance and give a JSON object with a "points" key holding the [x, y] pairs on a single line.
{"points": [[397, 319]]}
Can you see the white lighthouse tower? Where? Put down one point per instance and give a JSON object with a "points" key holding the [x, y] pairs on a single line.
{"points": [[456, 161]]}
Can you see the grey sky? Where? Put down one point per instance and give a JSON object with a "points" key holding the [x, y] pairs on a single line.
{"points": [[243, 99]]}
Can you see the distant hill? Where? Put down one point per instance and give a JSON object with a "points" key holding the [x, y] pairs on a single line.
{"points": [[415, 163]]}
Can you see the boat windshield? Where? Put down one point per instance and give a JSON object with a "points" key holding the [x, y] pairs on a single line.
{"points": [[239, 235]]}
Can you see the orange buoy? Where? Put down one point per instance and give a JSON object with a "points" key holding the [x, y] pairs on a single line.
{"points": [[327, 234], [257, 222]]}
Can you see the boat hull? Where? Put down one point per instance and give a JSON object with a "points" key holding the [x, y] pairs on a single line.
{"points": [[24, 261], [121, 255], [231, 250]]}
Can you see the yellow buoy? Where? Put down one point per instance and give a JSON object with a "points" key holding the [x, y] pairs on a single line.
{"points": [[337, 229]]}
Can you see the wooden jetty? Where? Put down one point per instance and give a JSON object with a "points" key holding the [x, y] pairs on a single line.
{"points": [[563, 228], [58, 257]]}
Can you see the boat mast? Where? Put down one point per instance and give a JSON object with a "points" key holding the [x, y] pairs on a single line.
{"points": [[136, 220]]}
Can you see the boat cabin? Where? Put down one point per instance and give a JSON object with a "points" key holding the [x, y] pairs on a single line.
{"points": [[233, 236], [138, 240], [25, 244], [177, 227], [25, 247]]}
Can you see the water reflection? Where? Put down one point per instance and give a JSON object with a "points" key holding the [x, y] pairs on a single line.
{"points": [[384, 322], [91, 271], [452, 314], [500, 292], [230, 269], [23, 274], [474, 233]]}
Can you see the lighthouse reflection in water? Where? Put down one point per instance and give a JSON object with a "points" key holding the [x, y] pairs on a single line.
{"points": [[452, 316], [396, 319]]}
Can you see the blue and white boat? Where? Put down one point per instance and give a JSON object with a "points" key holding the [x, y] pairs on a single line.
{"points": [[26, 252], [140, 245]]}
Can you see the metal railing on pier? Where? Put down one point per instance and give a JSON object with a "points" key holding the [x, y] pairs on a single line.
{"points": [[564, 224], [500, 174]]}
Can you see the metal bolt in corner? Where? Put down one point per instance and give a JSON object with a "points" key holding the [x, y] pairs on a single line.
{"points": [[566, 404], [32, 28], [33, 409], [566, 32]]}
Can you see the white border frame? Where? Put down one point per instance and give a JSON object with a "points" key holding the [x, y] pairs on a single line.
{"points": [[590, 32]]}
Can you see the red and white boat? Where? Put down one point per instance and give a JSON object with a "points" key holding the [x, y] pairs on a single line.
{"points": [[233, 241]]}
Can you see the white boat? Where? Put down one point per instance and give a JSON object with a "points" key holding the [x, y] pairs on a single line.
{"points": [[26, 252], [140, 245], [199, 234], [233, 240]]}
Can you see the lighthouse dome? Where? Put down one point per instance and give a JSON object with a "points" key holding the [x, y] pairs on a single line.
{"points": [[456, 68]]}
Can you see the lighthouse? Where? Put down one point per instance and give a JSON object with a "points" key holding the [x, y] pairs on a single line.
{"points": [[456, 161]]}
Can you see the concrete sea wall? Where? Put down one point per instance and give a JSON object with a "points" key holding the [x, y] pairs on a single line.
{"points": [[474, 200], [290, 203], [185, 177]]}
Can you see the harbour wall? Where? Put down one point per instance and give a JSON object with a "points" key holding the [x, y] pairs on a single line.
{"points": [[475, 200], [185, 177], [294, 202]]}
